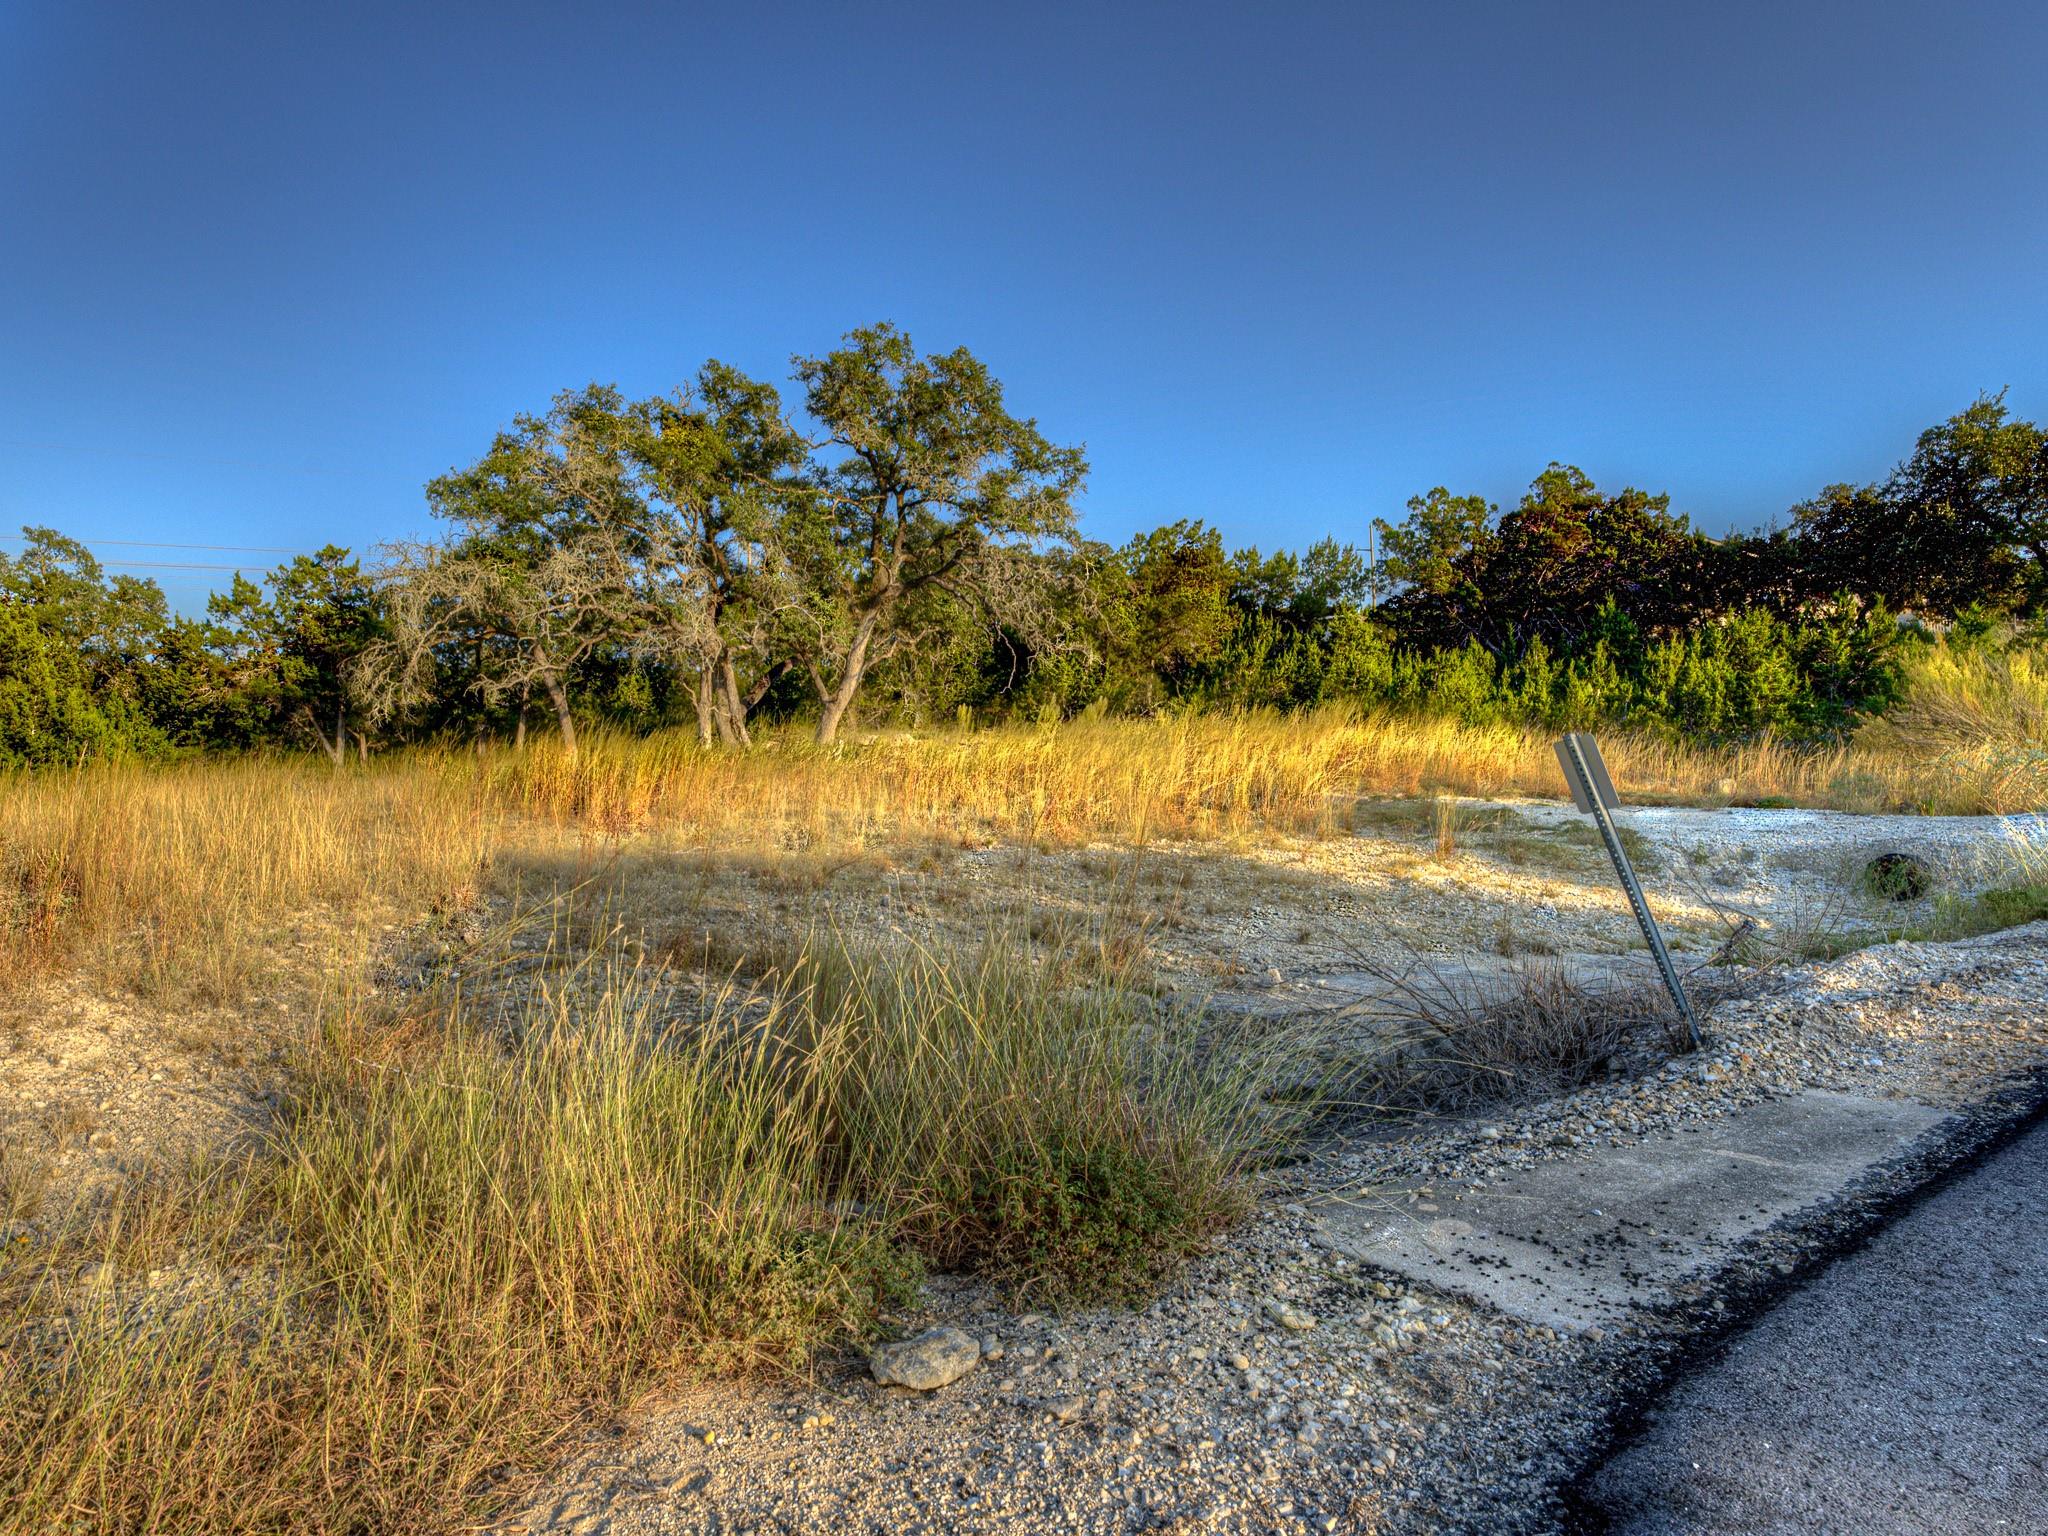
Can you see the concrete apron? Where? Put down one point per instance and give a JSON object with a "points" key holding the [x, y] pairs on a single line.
{"points": [[1581, 1241]]}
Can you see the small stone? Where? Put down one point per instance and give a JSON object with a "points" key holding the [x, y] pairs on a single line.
{"points": [[1290, 1317], [1066, 1409], [936, 1358]]}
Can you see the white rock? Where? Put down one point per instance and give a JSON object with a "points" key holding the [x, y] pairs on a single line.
{"points": [[1290, 1317], [935, 1358]]}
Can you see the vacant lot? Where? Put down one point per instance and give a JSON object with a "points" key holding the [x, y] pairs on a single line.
{"points": [[371, 1137]]}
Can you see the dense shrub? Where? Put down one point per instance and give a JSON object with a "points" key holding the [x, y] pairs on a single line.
{"points": [[1743, 675], [50, 712]]}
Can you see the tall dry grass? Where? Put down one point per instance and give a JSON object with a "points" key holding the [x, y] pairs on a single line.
{"points": [[179, 881], [1976, 721], [1183, 776], [473, 1243], [182, 881]]}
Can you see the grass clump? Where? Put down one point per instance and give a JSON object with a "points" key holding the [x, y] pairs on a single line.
{"points": [[477, 1226], [1531, 1030], [2017, 893], [1065, 1142], [1078, 1221], [480, 1245], [1990, 911]]}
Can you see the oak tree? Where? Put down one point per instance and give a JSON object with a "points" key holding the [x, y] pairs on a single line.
{"points": [[930, 485]]}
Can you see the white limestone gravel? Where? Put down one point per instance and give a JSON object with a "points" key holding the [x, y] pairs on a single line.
{"points": [[1281, 1386]]}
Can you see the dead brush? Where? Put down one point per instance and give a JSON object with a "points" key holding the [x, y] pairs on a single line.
{"points": [[1443, 1042]]}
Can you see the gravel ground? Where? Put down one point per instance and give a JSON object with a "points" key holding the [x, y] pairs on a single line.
{"points": [[1902, 1390], [1281, 1386]]}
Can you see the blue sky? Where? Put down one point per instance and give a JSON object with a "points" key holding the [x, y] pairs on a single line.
{"points": [[265, 269]]}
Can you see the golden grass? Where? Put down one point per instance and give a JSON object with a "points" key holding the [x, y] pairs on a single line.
{"points": [[475, 1244], [1191, 776], [183, 882], [1976, 721]]}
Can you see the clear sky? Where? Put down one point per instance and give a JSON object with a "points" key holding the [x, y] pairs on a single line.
{"points": [[264, 269]]}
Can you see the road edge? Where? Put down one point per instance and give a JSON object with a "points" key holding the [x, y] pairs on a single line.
{"points": [[1679, 1338]]}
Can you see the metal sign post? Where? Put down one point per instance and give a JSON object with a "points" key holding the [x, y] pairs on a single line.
{"points": [[1593, 793]]}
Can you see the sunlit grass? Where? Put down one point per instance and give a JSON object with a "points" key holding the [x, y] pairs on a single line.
{"points": [[1193, 776], [1976, 721], [176, 881], [179, 881], [478, 1221], [474, 1242]]}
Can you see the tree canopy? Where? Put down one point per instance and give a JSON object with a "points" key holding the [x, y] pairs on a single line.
{"points": [[904, 543]]}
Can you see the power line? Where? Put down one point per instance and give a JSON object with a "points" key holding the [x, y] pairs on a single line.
{"points": [[173, 565], [231, 549]]}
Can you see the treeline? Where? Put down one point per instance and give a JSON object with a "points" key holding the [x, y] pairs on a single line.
{"points": [[908, 548]]}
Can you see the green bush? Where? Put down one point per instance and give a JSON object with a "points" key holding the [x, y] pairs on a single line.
{"points": [[1740, 677], [50, 711], [1103, 1222]]}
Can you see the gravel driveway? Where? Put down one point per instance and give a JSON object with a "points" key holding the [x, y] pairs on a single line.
{"points": [[1904, 1390]]}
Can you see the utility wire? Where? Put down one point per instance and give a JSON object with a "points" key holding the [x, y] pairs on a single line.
{"points": [[173, 565], [232, 549]]}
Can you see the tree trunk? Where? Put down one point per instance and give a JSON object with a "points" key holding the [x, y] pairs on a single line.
{"points": [[841, 698], [559, 696], [330, 748], [764, 682], [702, 695], [735, 711]]}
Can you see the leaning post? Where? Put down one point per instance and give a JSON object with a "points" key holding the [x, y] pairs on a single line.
{"points": [[1593, 793]]}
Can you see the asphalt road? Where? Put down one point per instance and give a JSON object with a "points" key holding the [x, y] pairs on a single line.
{"points": [[1904, 1389]]}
